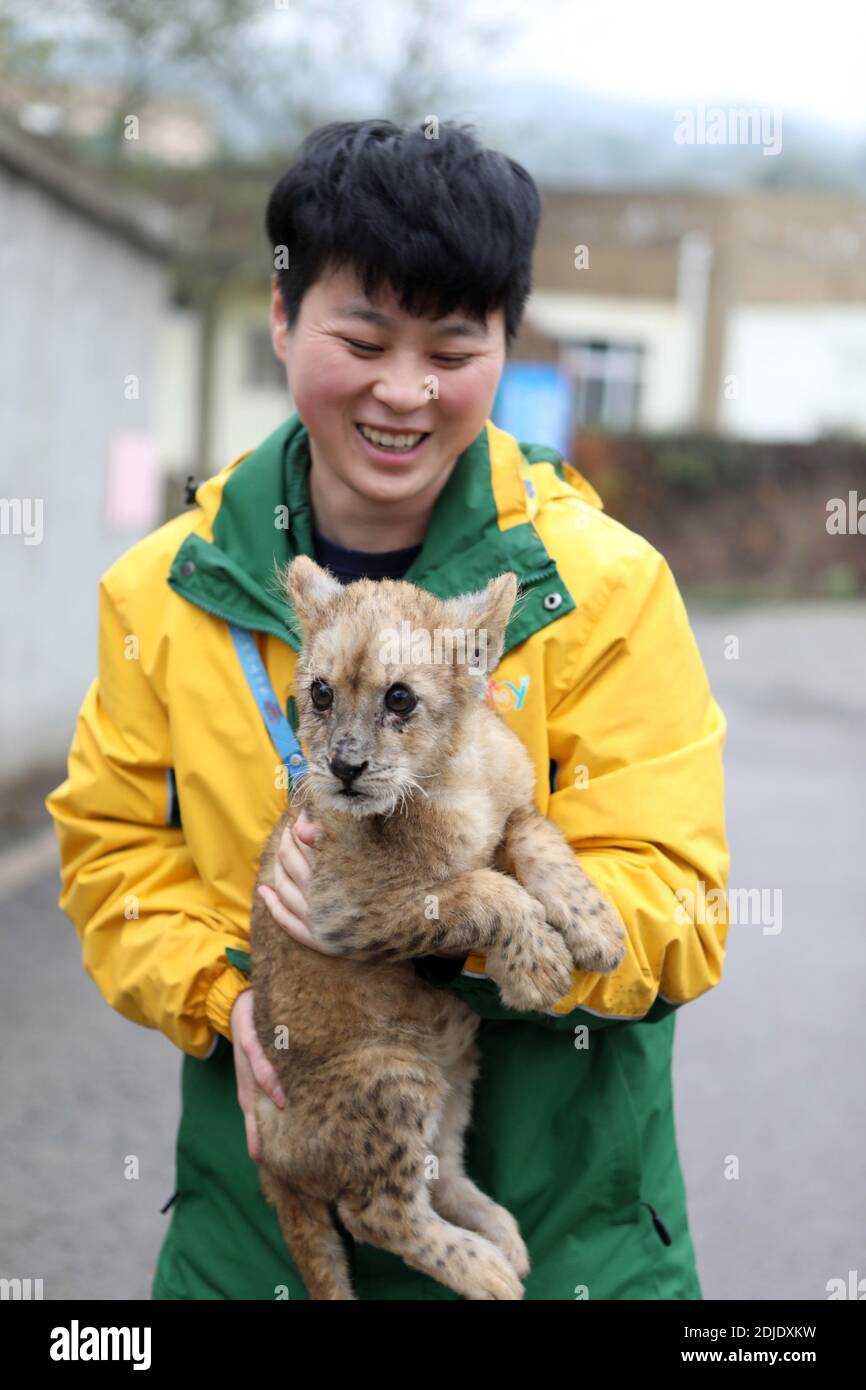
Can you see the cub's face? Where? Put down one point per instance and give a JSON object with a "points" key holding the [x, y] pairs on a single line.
{"points": [[386, 680], [374, 730]]}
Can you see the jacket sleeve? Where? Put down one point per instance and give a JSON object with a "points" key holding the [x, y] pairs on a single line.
{"points": [[637, 741], [154, 936]]}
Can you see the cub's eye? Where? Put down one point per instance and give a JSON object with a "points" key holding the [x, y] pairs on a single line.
{"points": [[400, 699], [321, 695]]}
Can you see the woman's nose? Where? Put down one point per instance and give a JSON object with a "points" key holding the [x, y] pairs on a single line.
{"points": [[401, 385]]}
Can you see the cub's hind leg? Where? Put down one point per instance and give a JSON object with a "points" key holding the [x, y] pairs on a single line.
{"points": [[454, 1195], [390, 1132], [401, 1219]]}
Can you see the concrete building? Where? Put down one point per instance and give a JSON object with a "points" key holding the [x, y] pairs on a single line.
{"points": [[85, 283], [740, 314], [737, 313]]}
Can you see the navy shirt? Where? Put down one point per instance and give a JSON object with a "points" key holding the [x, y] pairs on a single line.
{"points": [[347, 565]]}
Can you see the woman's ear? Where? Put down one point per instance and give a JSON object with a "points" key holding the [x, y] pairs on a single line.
{"points": [[278, 323]]}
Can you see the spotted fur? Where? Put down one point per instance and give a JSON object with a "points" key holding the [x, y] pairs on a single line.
{"points": [[443, 850]]}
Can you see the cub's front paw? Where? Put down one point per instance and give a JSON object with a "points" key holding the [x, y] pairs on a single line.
{"points": [[590, 925], [533, 969]]}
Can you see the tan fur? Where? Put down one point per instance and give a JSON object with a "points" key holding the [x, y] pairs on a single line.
{"points": [[446, 850]]}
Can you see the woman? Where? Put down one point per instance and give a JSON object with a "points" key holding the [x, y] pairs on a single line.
{"points": [[403, 264]]}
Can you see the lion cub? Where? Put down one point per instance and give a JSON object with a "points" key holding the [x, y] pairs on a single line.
{"points": [[429, 839]]}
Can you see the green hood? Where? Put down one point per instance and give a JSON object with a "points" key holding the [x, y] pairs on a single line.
{"points": [[264, 519]]}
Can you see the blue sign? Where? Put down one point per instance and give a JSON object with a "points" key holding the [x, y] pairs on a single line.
{"points": [[535, 403]]}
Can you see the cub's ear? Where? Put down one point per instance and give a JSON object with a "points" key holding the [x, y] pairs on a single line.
{"points": [[309, 589], [484, 617]]}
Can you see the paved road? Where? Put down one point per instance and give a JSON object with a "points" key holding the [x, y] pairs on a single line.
{"points": [[768, 1065], [87, 1089]]}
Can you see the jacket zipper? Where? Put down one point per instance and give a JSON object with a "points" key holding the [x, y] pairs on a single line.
{"points": [[661, 1229], [531, 581], [231, 619]]}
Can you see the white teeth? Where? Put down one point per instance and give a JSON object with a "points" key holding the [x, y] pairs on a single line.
{"points": [[390, 441]]}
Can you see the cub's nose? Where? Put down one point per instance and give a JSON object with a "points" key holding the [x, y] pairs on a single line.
{"points": [[347, 772]]}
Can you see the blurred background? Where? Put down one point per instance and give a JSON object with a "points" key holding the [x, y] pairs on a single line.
{"points": [[695, 344]]}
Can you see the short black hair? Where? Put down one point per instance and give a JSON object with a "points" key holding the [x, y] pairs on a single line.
{"points": [[448, 224]]}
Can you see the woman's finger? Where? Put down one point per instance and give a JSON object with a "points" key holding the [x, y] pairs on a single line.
{"points": [[281, 915], [305, 833], [244, 1077], [264, 1073], [294, 858], [307, 827], [252, 1137], [289, 893], [253, 1067], [291, 923]]}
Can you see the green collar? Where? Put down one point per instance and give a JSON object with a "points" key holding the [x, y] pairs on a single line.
{"points": [[265, 518]]}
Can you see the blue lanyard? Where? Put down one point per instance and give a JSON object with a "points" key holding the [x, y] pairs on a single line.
{"points": [[276, 722]]}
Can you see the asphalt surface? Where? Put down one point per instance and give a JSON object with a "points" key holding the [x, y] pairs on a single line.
{"points": [[768, 1066]]}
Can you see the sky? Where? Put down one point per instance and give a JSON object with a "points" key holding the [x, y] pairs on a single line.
{"points": [[805, 57]]}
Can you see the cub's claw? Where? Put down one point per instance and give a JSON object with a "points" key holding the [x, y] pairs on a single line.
{"points": [[533, 971], [590, 925]]}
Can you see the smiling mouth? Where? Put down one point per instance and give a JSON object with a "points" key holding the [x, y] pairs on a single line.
{"points": [[417, 438]]}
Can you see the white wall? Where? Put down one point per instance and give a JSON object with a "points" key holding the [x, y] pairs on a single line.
{"points": [[243, 413], [664, 328], [80, 313], [796, 372], [178, 389]]}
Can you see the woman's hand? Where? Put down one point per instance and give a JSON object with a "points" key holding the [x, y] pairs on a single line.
{"points": [[252, 1069], [286, 901], [293, 864]]}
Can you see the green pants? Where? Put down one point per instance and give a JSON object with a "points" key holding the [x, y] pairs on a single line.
{"points": [[579, 1146]]}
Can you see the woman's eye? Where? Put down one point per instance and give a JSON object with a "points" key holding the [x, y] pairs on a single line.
{"points": [[321, 695], [437, 357], [400, 699]]}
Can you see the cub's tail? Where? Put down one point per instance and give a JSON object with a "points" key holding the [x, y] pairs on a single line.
{"points": [[312, 1238]]}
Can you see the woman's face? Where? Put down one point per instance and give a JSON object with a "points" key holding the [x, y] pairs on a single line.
{"points": [[351, 361]]}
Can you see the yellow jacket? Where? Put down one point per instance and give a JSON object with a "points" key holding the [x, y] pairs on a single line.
{"points": [[173, 783]]}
